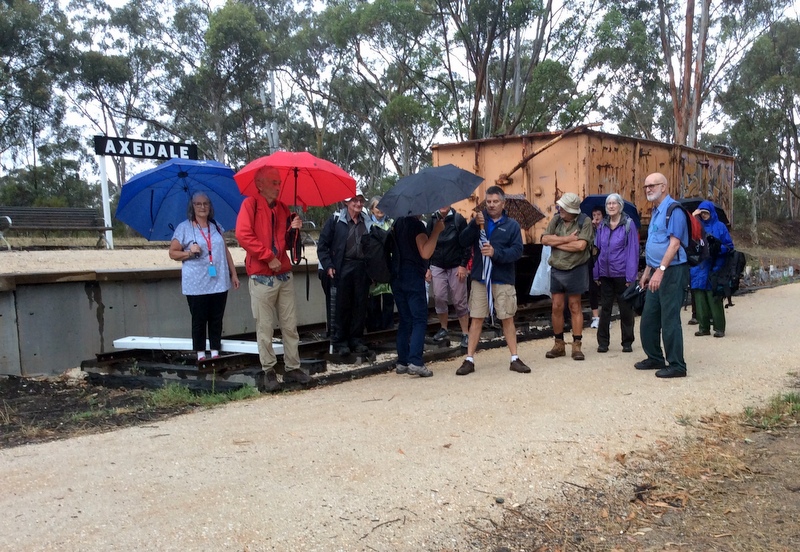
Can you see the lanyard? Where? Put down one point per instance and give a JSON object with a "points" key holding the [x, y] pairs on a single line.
{"points": [[208, 241]]}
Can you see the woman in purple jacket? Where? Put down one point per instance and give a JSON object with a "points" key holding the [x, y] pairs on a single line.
{"points": [[616, 268]]}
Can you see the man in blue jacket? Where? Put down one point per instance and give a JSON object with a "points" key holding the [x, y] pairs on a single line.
{"points": [[496, 242]]}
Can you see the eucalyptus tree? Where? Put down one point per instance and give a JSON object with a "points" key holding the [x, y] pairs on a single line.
{"points": [[526, 62], [120, 58], [215, 85], [386, 79], [700, 44], [36, 54], [762, 100]]}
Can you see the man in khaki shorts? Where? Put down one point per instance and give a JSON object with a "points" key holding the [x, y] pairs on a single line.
{"points": [[496, 242]]}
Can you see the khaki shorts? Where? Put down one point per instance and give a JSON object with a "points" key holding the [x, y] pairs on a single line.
{"points": [[505, 300]]}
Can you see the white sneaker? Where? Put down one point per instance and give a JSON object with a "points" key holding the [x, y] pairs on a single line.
{"points": [[595, 322]]}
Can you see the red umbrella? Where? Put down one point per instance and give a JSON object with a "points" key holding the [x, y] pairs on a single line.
{"points": [[307, 181]]}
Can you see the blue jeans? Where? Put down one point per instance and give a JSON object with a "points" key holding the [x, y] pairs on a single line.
{"points": [[412, 308]]}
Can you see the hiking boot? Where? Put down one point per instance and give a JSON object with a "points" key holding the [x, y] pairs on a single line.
{"points": [[467, 367], [342, 350], [519, 366], [719, 333], [602, 348], [297, 376], [699, 333], [441, 335], [692, 321], [671, 373], [558, 350], [577, 354], [627, 349], [271, 383], [464, 341], [421, 371], [401, 369], [595, 322], [649, 364]]}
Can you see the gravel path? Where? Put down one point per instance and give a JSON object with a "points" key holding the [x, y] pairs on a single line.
{"points": [[388, 463]]}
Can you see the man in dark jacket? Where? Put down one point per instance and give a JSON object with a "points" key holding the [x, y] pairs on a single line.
{"points": [[496, 242], [342, 258], [448, 272]]}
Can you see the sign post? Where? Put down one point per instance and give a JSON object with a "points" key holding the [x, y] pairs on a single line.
{"points": [[133, 147]]}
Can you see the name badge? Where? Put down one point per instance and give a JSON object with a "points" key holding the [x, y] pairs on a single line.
{"points": [[212, 270]]}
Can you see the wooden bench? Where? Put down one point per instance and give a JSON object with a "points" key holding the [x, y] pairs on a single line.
{"points": [[46, 219]]}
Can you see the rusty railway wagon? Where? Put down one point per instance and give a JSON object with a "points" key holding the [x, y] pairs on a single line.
{"points": [[543, 166]]}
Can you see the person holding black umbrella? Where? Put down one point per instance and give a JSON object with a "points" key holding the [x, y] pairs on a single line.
{"points": [[207, 272]]}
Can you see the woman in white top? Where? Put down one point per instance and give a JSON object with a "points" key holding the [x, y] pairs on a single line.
{"points": [[207, 272]]}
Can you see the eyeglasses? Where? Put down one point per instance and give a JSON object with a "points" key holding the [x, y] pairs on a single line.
{"points": [[204, 204], [650, 186]]}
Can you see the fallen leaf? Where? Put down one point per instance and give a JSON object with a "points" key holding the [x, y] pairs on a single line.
{"points": [[448, 445], [400, 451]]}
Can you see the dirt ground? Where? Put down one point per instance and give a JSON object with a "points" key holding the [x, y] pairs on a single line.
{"points": [[579, 456]]}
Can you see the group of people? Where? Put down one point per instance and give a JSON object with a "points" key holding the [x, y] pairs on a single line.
{"points": [[598, 254]]}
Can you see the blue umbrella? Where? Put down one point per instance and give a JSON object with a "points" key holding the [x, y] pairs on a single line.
{"points": [[154, 202], [599, 200]]}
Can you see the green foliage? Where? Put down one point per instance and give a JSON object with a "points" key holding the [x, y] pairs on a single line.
{"points": [[175, 395], [782, 411]]}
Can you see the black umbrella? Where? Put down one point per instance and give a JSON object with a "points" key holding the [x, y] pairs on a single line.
{"points": [[428, 190], [692, 203]]}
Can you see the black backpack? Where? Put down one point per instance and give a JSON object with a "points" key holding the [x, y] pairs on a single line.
{"points": [[697, 251], [379, 251], [725, 282]]}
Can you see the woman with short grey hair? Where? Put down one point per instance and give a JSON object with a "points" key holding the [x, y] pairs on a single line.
{"points": [[616, 267]]}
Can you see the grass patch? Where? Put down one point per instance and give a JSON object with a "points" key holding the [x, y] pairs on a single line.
{"points": [[6, 414], [175, 395], [781, 412]]}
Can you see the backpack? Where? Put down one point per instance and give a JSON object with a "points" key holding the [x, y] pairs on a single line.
{"points": [[697, 250], [379, 251], [725, 282]]}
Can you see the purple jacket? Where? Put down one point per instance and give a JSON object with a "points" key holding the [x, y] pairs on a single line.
{"points": [[619, 250]]}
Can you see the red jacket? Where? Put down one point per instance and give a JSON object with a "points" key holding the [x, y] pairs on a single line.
{"points": [[262, 232]]}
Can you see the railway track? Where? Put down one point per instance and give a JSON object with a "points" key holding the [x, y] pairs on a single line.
{"points": [[155, 368]]}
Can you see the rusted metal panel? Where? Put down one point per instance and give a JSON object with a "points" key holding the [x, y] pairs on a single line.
{"points": [[588, 162]]}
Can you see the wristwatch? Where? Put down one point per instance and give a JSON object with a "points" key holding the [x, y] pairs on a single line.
{"points": [[662, 268]]}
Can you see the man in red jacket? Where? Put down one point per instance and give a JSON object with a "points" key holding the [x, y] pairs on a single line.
{"points": [[262, 230]]}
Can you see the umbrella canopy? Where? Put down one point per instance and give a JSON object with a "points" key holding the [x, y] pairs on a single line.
{"points": [[154, 202], [692, 203], [428, 190], [306, 180], [520, 209], [599, 200]]}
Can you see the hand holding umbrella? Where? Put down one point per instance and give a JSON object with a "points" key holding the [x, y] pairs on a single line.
{"points": [[487, 251]]}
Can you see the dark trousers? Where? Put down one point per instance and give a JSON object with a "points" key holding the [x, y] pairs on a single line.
{"points": [[709, 308], [412, 310], [594, 290], [381, 312], [611, 290], [661, 318], [326, 289], [207, 312], [352, 290]]}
